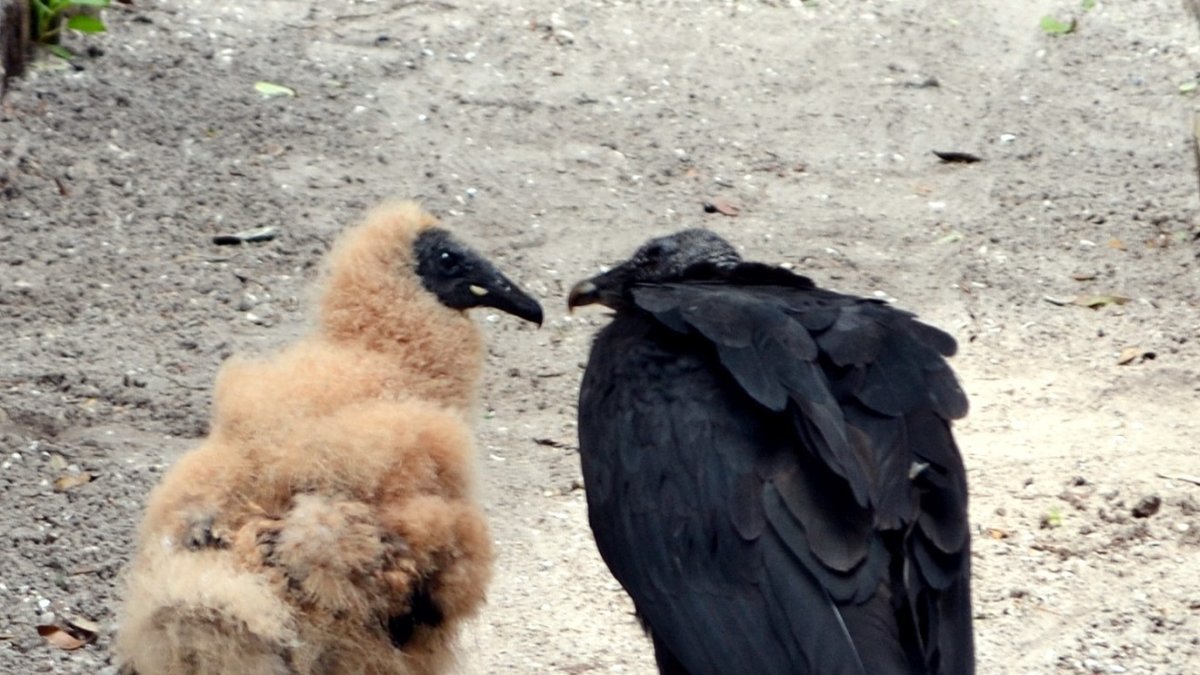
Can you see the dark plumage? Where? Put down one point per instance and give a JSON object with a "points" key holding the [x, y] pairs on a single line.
{"points": [[770, 469]]}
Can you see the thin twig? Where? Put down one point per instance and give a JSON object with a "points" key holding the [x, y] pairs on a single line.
{"points": [[1195, 480]]}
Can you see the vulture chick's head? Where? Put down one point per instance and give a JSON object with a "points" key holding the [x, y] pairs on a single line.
{"points": [[659, 260], [398, 278], [461, 279]]}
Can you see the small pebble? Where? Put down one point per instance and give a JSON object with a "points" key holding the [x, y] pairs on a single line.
{"points": [[1147, 506]]}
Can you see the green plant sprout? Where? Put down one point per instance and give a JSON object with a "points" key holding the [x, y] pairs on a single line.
{"points": [[48, 21]]}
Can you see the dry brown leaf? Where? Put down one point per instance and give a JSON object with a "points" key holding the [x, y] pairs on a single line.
{"points": [[1095, 301], [1135, 355], [257, 235], [85, 626], [72, 480], [1128, 355], [721, 206], [1083, 276], [1116, 244], [1090, 301], [954, 156], [997, 533], [61, 638]]}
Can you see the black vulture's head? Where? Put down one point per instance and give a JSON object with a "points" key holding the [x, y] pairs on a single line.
{"points": [[658, 260], [462, 279]]}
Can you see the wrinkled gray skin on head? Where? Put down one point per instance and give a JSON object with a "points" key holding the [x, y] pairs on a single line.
{"points": [[660, 259]]}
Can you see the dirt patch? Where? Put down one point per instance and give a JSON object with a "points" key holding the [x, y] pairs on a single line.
{"points": [[557, 137]]}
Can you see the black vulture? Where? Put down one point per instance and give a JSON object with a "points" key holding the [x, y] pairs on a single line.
{"points": [[770, 470]]}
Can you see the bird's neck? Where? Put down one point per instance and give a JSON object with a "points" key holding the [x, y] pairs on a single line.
{"points": [[427, 350]]}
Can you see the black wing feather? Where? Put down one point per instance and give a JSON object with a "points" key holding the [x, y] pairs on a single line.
{"points": [[770, 356], [771, 476]]}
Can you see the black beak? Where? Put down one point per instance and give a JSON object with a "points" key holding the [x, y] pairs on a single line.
{"points": [[583, 293], [603, 289], [497, 291]]}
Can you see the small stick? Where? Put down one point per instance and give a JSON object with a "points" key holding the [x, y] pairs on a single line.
{"points": [[1180, 476]]}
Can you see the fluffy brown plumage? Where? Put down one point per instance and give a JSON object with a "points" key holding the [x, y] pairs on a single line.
{"points": [[326, 525]]}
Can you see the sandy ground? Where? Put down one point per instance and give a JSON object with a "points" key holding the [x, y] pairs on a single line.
{"points": [[556, 137]]}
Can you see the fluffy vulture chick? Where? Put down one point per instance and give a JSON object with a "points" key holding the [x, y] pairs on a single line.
{"points": [[326, 525]]}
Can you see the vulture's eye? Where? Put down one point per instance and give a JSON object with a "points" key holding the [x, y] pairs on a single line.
{"points": [[654, 252], [449, 261]]}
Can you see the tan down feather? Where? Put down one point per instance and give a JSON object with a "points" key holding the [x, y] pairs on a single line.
{"points": [[335, 482]]}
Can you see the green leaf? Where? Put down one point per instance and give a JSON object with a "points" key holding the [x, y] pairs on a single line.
{"points": [[85, 24], [1053, 26], [1188, 87], [270, 89], [1053, 518], [1088, 5], [60, 51]]}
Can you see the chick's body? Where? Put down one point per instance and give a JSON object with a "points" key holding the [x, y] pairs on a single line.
{"points": [[326, 525]]}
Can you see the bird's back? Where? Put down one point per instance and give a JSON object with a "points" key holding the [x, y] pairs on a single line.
{"points": [[319, 550]]}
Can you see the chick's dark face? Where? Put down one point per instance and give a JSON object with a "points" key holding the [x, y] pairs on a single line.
{"points": [[658, 260], [462, 279]]}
